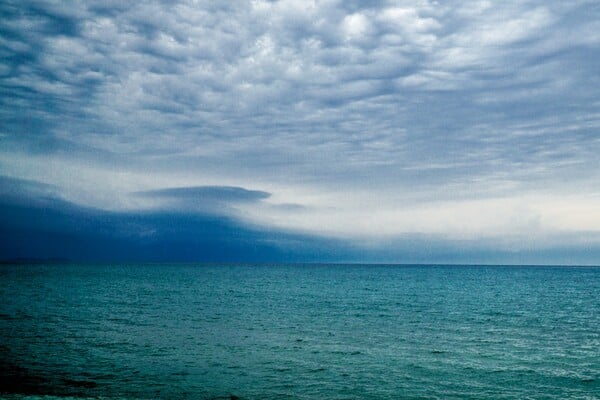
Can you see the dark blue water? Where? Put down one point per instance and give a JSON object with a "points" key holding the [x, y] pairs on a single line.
{"points": [[299, 332]]}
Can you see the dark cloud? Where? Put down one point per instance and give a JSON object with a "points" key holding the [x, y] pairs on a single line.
{"points": [[26, 192], [35, 223], [212, 199], [208, 193]]}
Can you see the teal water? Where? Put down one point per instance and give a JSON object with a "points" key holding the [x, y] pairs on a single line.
{"points": [[299, 332]]}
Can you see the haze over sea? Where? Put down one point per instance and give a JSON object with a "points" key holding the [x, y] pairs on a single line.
{"points": [[187, 331]]}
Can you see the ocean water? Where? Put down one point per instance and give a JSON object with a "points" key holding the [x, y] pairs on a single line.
{"points": [[299, 332]]}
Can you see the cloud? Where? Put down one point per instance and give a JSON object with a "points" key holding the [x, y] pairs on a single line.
{"points": [[20, 190], [35, 223], [222, 199], [208, 193], [411, 109]]}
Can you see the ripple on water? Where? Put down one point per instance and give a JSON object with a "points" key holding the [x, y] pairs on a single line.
{"points": [[191, 332]]}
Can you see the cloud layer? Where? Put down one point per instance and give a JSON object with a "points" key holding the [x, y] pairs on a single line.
{"points": [[367, 120]]}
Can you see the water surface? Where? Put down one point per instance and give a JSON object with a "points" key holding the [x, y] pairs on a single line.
{"points": [[299, 332]]}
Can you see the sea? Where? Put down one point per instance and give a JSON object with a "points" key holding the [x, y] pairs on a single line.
{"points": [[200, 331]]}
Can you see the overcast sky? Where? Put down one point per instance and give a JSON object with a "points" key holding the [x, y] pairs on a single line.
{"points": [[372, 130]]}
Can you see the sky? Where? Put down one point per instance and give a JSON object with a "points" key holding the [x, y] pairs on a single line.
{"points": [[335, 131]]}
